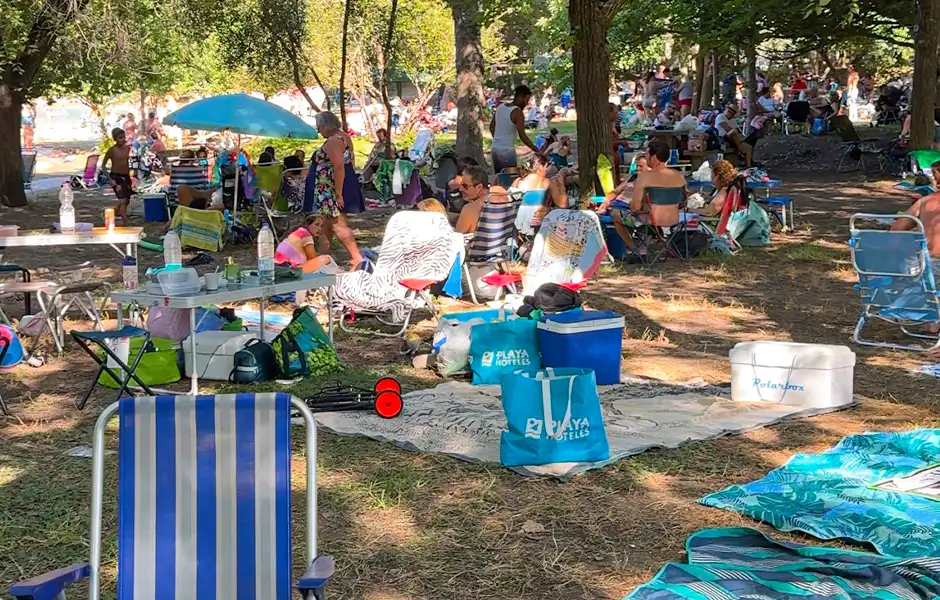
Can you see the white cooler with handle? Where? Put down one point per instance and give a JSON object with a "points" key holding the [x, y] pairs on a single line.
{"points": [[810, 375], [215, 353]]}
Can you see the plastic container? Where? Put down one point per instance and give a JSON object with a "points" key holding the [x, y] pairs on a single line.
{"points": [[615, 244], [66, 210], [129, 273], [215, 353], [266, 247], [810, 375], [155, 209], [179, 282], [8, 230], [583, 339], [172, 251]]}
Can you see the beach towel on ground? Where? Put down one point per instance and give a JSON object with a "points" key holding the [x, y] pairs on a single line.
{"points": [[416, 245], [737, 562], [854, 491], [203, 229], [569, 248]]}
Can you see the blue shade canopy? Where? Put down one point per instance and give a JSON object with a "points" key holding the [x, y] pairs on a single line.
{"points": [[244, 114]]}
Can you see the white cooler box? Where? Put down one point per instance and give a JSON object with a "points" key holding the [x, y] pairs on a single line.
{"points": [[215, 353], [810, 375]]}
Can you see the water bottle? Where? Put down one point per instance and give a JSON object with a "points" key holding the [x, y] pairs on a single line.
{"points": [[66, 210], [265, 255], [172, 251], [129, 273]]}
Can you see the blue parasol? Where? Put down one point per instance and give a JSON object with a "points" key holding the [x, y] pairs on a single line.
{"points": [[242, 114]]}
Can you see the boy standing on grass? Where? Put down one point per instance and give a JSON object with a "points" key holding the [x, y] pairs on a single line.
{"points": [[119, 154]]}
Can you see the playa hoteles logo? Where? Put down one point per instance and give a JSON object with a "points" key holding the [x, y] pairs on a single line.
{"points": [[577, 429], [506, 358], [773, 385]]}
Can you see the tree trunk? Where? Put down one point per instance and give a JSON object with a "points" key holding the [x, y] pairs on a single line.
{"points": [[11, 164], [716, 82], [387, 57], [699, 81], [926, 41], [342, 67], [751, 97], [469, 62], [591, 58]]}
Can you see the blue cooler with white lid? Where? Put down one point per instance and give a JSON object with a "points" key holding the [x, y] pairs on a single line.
{"points": [[583, 339]]}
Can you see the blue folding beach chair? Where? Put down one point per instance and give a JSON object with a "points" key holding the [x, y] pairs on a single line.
{"points": [[204, 502], [895, 279]]}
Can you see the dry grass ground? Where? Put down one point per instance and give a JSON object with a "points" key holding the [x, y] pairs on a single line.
{"points": [[406, 526]]}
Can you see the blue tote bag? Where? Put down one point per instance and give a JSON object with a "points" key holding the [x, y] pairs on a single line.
{"points": [[552, 416], [503, 347]]}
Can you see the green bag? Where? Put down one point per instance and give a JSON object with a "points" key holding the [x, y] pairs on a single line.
{"points": [[303, 349], [157, 367]]}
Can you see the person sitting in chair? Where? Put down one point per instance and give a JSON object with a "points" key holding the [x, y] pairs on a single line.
{"points": [[537, 178], [661, 176], [298, 249], [728, 132], [475, 189], [723, 175]]}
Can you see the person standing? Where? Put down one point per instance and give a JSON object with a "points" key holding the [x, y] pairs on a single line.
{"points": [[130, 128], [119, 156], [329, 171], [508, 122], [686, 91], [29, 126], [154, 125]]}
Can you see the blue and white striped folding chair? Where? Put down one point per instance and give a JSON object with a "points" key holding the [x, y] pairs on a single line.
{"points": [[204, 502], [895, 279]]}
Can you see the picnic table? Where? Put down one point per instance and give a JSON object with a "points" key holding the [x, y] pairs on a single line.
{"points": [[233, 292], [667, 135], [29, 238]]}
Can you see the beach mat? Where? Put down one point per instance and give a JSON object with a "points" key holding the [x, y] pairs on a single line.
{"points": [[465, 421], [882, 489]]}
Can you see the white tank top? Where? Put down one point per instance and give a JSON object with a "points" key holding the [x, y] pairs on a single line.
{"points": [[504, 136]]}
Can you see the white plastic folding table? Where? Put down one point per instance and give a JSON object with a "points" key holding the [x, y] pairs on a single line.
{"points": [[29, 238], [249, 290]]}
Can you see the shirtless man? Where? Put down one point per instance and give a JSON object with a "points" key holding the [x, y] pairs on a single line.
{"points": [[119, 156], [658, 175], [927, 209]]}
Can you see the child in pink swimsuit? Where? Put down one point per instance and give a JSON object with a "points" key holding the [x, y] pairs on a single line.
{"points": [[299, 248]]}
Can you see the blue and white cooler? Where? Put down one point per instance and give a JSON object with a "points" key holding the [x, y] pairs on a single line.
{"points": [[583, 339]]}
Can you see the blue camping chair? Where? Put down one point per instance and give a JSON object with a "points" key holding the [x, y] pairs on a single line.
{"points": [[895, 279], [204, 502]]}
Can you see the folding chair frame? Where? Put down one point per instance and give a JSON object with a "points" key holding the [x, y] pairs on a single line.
{"points": [[410, 296], [867, 312], [129, 370], [4, 346], [288, 216], [26, 278], [54, 311]]}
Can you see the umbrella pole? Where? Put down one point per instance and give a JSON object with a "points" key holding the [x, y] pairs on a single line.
{"points": [[238, 174]]}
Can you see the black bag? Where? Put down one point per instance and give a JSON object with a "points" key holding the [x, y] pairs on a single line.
{"points": [[254, 362], [550, 298], [689, 244]]}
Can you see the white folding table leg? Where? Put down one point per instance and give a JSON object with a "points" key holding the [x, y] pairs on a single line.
{"points": [[194, 378]]}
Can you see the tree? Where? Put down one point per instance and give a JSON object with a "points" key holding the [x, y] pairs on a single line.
{"points": [[590, 21], [342, 72], [469, 63], [28, 31], [923, 96], [387, 57]]}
